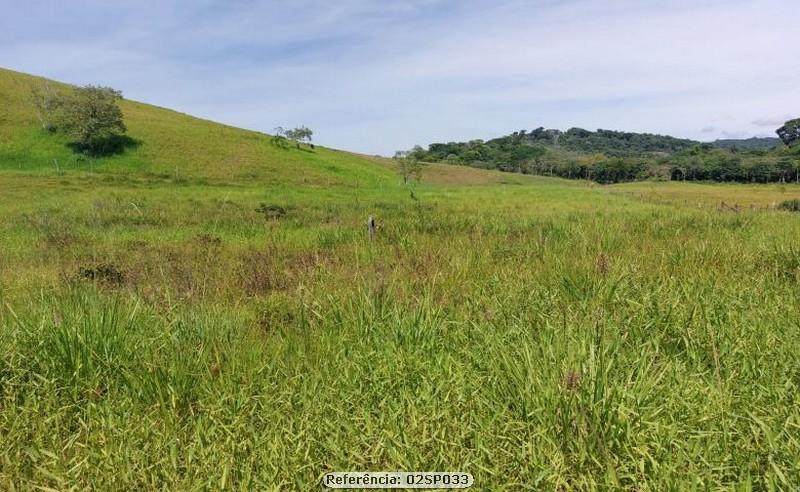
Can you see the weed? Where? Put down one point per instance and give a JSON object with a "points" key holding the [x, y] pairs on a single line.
{"points": [[271, 212], [104, 273], [790, 205]]}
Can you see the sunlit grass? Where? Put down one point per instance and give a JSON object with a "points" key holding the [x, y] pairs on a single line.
{"points": [[477, 333], [160, 330], [711, 195]]}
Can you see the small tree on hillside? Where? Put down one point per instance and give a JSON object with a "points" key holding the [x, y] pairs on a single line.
{"points": [[279, 138], [408, 164], [90, 115], [300, 135]]}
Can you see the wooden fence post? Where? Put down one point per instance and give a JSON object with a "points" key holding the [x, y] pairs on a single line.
{"points": [[371, 227]]}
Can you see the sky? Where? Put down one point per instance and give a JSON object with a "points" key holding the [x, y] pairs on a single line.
{"points": [[376, 76]]}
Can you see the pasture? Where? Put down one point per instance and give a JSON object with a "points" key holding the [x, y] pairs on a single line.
{"points": [[205, 311], [541, 334]]}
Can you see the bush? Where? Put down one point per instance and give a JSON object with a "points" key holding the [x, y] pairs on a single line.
{"points": [[790, 205], [271, 211]]}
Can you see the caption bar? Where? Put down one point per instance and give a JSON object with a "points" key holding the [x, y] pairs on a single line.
{"points": [[397, 480]]}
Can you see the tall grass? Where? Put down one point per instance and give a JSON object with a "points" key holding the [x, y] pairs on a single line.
{"points": [[206, 312], [564, 346]]}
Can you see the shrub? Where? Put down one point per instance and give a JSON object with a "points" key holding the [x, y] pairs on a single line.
{"points": [[271, 211], [790, 205], [103, 273]]}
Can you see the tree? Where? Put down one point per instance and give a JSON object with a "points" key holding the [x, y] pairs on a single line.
{"points": [[279, 138], [417, 153], [408, 163], [533, 153], [788, 169], [90, 115], [792, 155], [300, 135], [790, 132]]}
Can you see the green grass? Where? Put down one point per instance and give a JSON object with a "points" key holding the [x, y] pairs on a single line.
{"points": [[172, 145], [724, 196], [538, 333]]}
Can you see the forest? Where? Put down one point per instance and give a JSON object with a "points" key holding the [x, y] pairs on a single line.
{"points": [[608, 156]]}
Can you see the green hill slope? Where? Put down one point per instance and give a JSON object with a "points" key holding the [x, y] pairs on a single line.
{"points": [[175, 145]]}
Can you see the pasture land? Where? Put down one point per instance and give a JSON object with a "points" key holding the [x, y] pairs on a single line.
{"points": [[205, 311], [541, 334]]}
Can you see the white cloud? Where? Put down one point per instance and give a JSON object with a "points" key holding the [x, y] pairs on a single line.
{"points": [[771, 122]]}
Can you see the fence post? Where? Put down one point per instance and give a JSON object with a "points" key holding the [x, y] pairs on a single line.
{"points": [[371, 227]]}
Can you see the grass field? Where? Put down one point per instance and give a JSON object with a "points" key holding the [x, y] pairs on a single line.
{"points": [[211, 315], [720, 196]]}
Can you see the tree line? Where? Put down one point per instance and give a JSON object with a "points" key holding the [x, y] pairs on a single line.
{"points": [[609, 156]]}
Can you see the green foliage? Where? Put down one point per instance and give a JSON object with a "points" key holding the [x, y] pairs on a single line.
{"points": [[299, 135], [789, 133], [611, 157], [271, 211], [507, 153], [409, 164], [790, 205], [91, 117], [282, 137], [754, 143], [279, 138], [617, 143]]}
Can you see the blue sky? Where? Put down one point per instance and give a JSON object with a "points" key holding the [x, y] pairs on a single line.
{"points": [[376, 76]]}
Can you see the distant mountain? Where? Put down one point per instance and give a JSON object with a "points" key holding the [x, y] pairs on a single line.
{"points": [[754, 143]]}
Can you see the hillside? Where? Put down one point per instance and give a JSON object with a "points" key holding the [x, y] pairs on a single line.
{"points": [[609, 156], [173, 144], [176, 146], [515, 145], [170, 145]]}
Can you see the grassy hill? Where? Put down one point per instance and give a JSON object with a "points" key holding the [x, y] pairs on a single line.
{"points": [[173, 144], [207, 312]]}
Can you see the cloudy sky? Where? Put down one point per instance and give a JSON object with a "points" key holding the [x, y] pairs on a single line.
{"points": [[379, 75]]}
